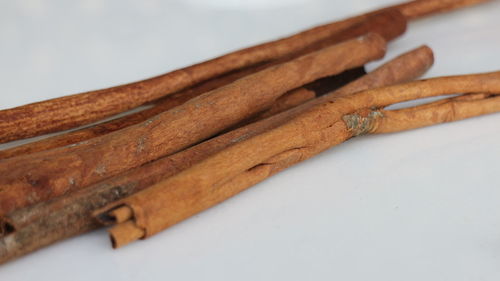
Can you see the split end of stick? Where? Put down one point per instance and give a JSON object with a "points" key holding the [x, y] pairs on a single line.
{"points": [[125, 233], [125, 230], [118, 214]]}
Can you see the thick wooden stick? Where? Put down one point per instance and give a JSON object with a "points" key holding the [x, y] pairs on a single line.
{"points": [[80, 109], [367, 121], [389, 24], [42, 224], [295, 97], [313, 131], [36, 177], [75, 110]]}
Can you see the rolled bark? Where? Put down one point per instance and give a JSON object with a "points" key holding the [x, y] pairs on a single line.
{"points": [[84, 108], [295, 97], [37, 177], [447, 110], [80, 109], [422, 8], [33, 227], [320, 127], [389, 24]]}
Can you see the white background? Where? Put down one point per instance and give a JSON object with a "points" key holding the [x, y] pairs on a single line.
{"points": [[418, 205]]}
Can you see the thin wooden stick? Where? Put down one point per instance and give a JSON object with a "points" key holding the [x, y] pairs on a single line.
{"points": [[36, 177], [313, 131], [76, 110], [422, 8], [80, 109], [42, 224], [389, 24], [295, 96], [447, 110]]}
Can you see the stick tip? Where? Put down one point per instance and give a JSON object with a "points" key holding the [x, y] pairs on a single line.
{"points": [[125, 233]]}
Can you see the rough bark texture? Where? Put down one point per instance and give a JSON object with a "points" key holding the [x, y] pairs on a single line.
{"points": [[389, 24], [42, 224], [76, 110], [421, 8], [37, 177], [80, 109], [307, 134], [317, 88]]}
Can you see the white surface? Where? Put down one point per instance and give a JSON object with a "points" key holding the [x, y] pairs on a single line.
{"points": [[418, 205]]}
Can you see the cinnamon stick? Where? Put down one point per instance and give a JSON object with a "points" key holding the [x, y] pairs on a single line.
{"points": [[80, 109], [389, 24], [221, 175], [42, 224], [422, 8], [36, 177], [447, 110], [76, 110], [294, 97]]}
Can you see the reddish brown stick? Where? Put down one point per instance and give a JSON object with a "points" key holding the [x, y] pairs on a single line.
{"points": [[422, 8], [295, 97], [80, 109], [44, 223], [389, 24], [205, 184], [36, 177], [75, 110]]}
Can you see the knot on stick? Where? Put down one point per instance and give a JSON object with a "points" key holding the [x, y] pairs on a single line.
{"points": [[362, 122]]}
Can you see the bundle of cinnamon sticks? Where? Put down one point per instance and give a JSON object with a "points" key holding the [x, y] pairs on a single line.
{"points": [[217, 128]]}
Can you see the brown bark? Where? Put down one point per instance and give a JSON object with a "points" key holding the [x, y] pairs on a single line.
{"points": [[447, 110], [80, 109], [227, 173], [288, 99], [422, 8], [36, 177], [42, 224], [84, 108], [389, 24]]}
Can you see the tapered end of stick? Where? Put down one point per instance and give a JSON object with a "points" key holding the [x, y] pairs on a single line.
{"points": [[414, 63], [125, 233]]}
